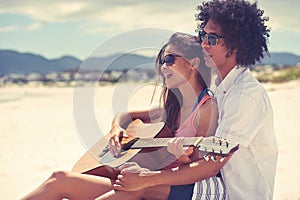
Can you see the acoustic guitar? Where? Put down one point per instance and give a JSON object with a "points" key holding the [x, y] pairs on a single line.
{"points": [[146, 146]]}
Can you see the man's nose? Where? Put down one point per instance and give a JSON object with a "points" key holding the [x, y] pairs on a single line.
{"points": [[205, 43]]}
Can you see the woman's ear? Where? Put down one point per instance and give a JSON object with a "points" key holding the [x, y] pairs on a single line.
{"points": [[195, 62]]}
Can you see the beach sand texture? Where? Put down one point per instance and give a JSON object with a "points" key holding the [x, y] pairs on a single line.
{"points": [[39, 134]]}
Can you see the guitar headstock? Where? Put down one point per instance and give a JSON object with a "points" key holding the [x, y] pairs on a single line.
{"points": [[217, 146]]}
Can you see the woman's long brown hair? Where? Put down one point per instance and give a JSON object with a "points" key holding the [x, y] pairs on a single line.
{"points": [[171, 99]]}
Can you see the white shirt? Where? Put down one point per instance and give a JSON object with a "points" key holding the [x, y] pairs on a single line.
{"points": [[246, 117]]}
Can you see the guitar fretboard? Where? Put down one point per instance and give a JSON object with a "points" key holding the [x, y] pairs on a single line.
{"points": [[208, 144], [162, 142]]}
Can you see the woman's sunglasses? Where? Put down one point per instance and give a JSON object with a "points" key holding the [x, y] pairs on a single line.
{"points": [[212, 38], [169, 59]]}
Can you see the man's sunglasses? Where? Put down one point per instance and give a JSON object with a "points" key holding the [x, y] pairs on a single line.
{"points": [[212, 38], [169, 59]]}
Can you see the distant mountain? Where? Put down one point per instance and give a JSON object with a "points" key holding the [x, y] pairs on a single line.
{"points": [[25, 63], [286, 59], [118, 62]]}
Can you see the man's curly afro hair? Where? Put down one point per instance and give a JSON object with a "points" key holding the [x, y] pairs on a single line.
{"points": [[242, 25]]}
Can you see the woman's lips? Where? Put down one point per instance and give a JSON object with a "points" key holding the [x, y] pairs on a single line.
{"points": [[167, 75]]}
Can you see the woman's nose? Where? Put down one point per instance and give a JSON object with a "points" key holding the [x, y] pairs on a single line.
{"points": [[163, 67]]}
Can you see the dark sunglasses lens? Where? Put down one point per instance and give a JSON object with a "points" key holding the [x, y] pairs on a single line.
{"points": [[169, 59], [212, 40], [202, 35]]}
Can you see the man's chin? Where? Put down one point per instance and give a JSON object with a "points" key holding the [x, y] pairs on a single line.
{"points": [[209, 62], [210, 65]]}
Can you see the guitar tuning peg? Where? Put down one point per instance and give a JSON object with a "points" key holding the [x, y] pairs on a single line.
{"points": [[213, 158], [206, 157], [222, 159]]}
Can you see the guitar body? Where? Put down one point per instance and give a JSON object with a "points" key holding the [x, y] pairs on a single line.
{"points": [[91, 162], [146, 145]]}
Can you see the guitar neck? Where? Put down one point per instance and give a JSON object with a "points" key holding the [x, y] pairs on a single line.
{"points": [[206, 144], [162, 142]]}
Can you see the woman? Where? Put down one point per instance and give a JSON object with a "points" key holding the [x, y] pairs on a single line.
{"points": [[187, 110]]}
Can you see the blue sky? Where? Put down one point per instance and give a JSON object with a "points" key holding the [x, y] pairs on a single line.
{"points": [[65, 27]]}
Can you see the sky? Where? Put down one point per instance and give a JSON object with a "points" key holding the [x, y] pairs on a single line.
{"points": [[77, 27]]}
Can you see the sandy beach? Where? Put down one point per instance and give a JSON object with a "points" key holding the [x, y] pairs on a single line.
{"points": [[40, 132]]}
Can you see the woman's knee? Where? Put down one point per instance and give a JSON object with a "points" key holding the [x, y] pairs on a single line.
{"points": [[59, 174], [57, 179]]}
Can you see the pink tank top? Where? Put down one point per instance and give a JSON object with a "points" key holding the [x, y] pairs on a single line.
{"points": [[187, 129]]}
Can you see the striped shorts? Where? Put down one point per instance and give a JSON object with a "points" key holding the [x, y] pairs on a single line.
{"points": [[210, 189]]}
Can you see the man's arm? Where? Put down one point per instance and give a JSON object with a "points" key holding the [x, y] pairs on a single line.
{"points": [[187, 174]]}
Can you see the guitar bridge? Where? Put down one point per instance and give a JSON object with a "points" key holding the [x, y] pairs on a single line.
{"points": [[104, 151]]}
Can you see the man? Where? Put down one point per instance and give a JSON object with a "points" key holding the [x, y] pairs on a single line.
{"points": [[234, 36]]}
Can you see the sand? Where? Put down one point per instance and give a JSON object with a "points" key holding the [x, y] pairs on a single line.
{"points": [[41, 132]]}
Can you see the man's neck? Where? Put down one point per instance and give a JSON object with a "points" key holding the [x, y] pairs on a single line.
{"points": [[226, 67]]}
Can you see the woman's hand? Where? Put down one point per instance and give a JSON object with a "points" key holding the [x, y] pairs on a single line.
{"points": [[175, 147], [116, 135], [132, 177]]}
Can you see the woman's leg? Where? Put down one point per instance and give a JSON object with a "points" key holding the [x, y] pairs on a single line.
{"points": [[70, 185], [119, 195], [160, 192]]}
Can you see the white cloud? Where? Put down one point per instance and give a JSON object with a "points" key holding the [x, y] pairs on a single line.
{"points": [[47, 11], [33, 26], [13, 28], [114, 16], [10, 28], [108, 16], [283, 14], [123, 18]]}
